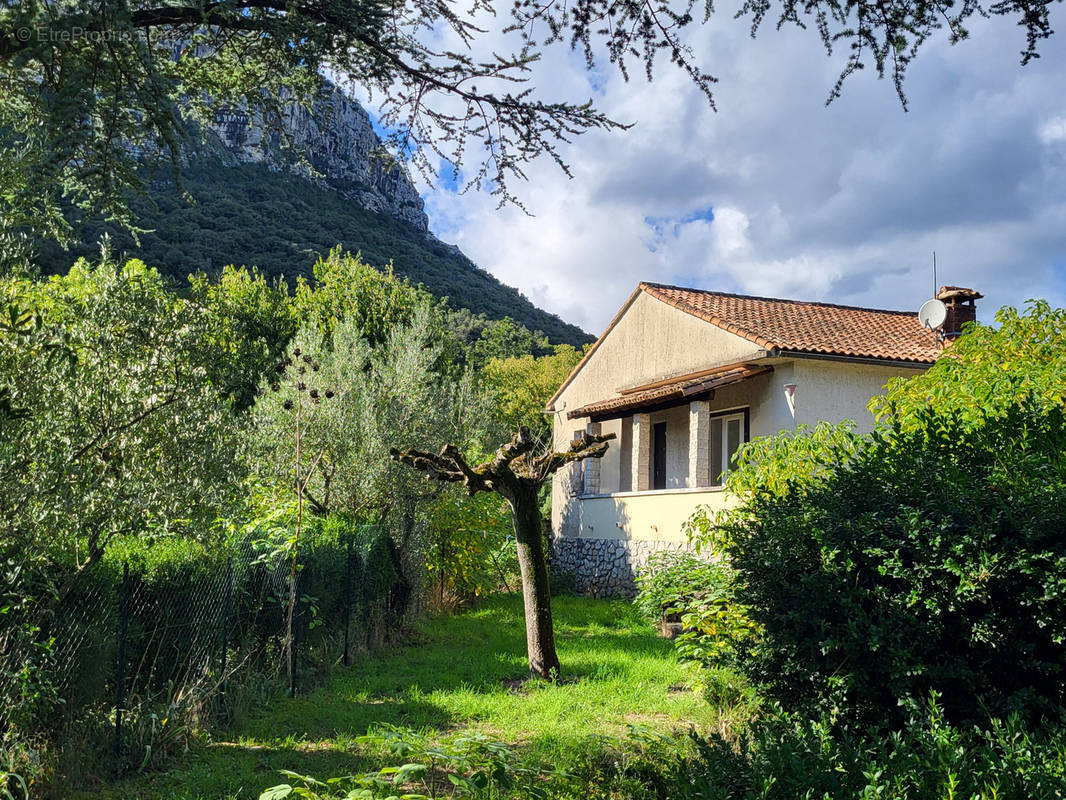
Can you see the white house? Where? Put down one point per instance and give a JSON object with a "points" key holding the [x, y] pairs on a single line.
{"points": [[682, 377]]}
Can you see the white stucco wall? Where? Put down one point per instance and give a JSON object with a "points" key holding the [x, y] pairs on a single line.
{"points": [[832, 391]]}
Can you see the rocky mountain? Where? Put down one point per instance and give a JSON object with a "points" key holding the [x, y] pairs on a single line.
{"points": [[278, 197], [332, 142]]}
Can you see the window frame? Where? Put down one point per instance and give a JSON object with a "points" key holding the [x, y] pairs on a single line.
{"points": [[744, 412]]}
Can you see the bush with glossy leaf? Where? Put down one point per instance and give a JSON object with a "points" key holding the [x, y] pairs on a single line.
{"points": [[927, 555], [699, 594]]}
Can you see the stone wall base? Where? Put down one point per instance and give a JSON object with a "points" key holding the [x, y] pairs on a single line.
{"points": [[606, 567]]}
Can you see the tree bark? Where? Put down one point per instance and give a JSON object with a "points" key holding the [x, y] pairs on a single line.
{"points": [[536, 594]]}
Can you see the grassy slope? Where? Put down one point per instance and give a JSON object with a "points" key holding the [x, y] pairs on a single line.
{"points": [[463, 671], [280, 223]]}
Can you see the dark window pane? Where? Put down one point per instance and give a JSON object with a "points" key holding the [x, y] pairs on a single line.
{"points": [[658, 459]]}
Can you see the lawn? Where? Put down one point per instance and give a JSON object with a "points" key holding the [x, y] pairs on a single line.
{"points": [[465, 671]]}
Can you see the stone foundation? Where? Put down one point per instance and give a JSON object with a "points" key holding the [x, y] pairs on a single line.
{"points": [[606, 567]]}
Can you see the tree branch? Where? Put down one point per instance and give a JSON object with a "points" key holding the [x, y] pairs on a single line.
{"points": [[590, 445], [520, 444], [448, 466], [508, 466]]}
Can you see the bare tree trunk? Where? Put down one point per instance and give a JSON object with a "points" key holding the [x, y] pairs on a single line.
{"points": [[536, 595]]}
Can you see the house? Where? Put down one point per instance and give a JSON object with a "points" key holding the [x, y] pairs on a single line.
{"points": [[683, 377]]}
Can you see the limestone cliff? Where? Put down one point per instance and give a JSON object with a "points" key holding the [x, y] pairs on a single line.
{"points": [[333, 143]]}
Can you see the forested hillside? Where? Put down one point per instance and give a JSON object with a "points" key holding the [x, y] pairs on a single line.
{"points": [[253, 214]]}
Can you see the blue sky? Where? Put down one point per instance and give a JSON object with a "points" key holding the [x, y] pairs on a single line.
{"points": [[776, 194]]}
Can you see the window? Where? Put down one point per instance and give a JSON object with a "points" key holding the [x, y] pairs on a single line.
{"points": [[658, 456], [728, 432]]}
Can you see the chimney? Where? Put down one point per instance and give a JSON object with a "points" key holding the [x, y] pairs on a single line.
{"points": [[961, 308]]}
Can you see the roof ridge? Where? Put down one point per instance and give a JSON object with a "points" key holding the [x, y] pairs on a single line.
{"points": [[652, 285]]}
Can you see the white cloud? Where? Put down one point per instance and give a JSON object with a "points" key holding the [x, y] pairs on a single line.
{"points": [[778, 195], [1054, 130]]}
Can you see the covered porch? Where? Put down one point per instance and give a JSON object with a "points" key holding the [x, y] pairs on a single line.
{"points": [[675, 437]]}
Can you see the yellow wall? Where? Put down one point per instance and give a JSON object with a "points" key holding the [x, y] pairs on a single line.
{"points": [[647, 516]]}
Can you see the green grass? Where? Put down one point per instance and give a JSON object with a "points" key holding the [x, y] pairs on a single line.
{"points": [[466, 671]]}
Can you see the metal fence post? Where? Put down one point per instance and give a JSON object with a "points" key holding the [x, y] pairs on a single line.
{"points": [[294, 634], [120, 663], [347, 600], [225, 633]]}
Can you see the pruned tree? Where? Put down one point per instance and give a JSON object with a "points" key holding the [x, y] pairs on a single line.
{"points": [[517, 472]]}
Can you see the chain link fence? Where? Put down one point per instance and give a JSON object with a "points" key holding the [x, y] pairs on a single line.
{"points": [[140, 653]]}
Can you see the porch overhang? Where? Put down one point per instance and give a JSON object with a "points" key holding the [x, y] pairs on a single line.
{"points": [[664, 394]]}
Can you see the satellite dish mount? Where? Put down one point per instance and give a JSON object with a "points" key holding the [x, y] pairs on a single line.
{"points": [[932, 315]]}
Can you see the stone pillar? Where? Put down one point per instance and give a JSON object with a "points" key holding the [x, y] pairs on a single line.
{"points": [[699, 443], [641, 452], [592, 465]]}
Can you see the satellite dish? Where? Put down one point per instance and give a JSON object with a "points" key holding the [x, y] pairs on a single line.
{"points": [[932, 313]]}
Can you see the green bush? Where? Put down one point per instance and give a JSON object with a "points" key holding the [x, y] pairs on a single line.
{"points": [[932, 560], [671, 581], [925, 556], [785, 757], [700, 595]]}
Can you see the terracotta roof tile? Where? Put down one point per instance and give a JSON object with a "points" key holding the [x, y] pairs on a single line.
{"points": [[683, 388], [792, 325]]}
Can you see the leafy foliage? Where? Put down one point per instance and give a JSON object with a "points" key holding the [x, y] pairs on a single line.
{"points": [[469, 551], [352, 402], [523, 384], [284, 224], [988, 373], [153, 427], [787, 756], [646, 764], [250, 323], [119, 428], [925, 556], [700, 595]]}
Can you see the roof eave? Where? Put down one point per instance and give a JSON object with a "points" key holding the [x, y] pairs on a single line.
{"points": [[914, 363]]}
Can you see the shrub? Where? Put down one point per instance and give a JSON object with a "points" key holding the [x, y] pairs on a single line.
{"points": [[786, 756], [461, 765], [471, 547], [931, 560], [670, 580], [700, 594], [927, 555]]}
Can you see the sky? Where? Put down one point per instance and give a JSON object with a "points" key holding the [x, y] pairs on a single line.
{"points": [[776, 194]]}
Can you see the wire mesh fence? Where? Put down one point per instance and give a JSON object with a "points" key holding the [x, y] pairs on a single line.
{"points": [[140, 653]]}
